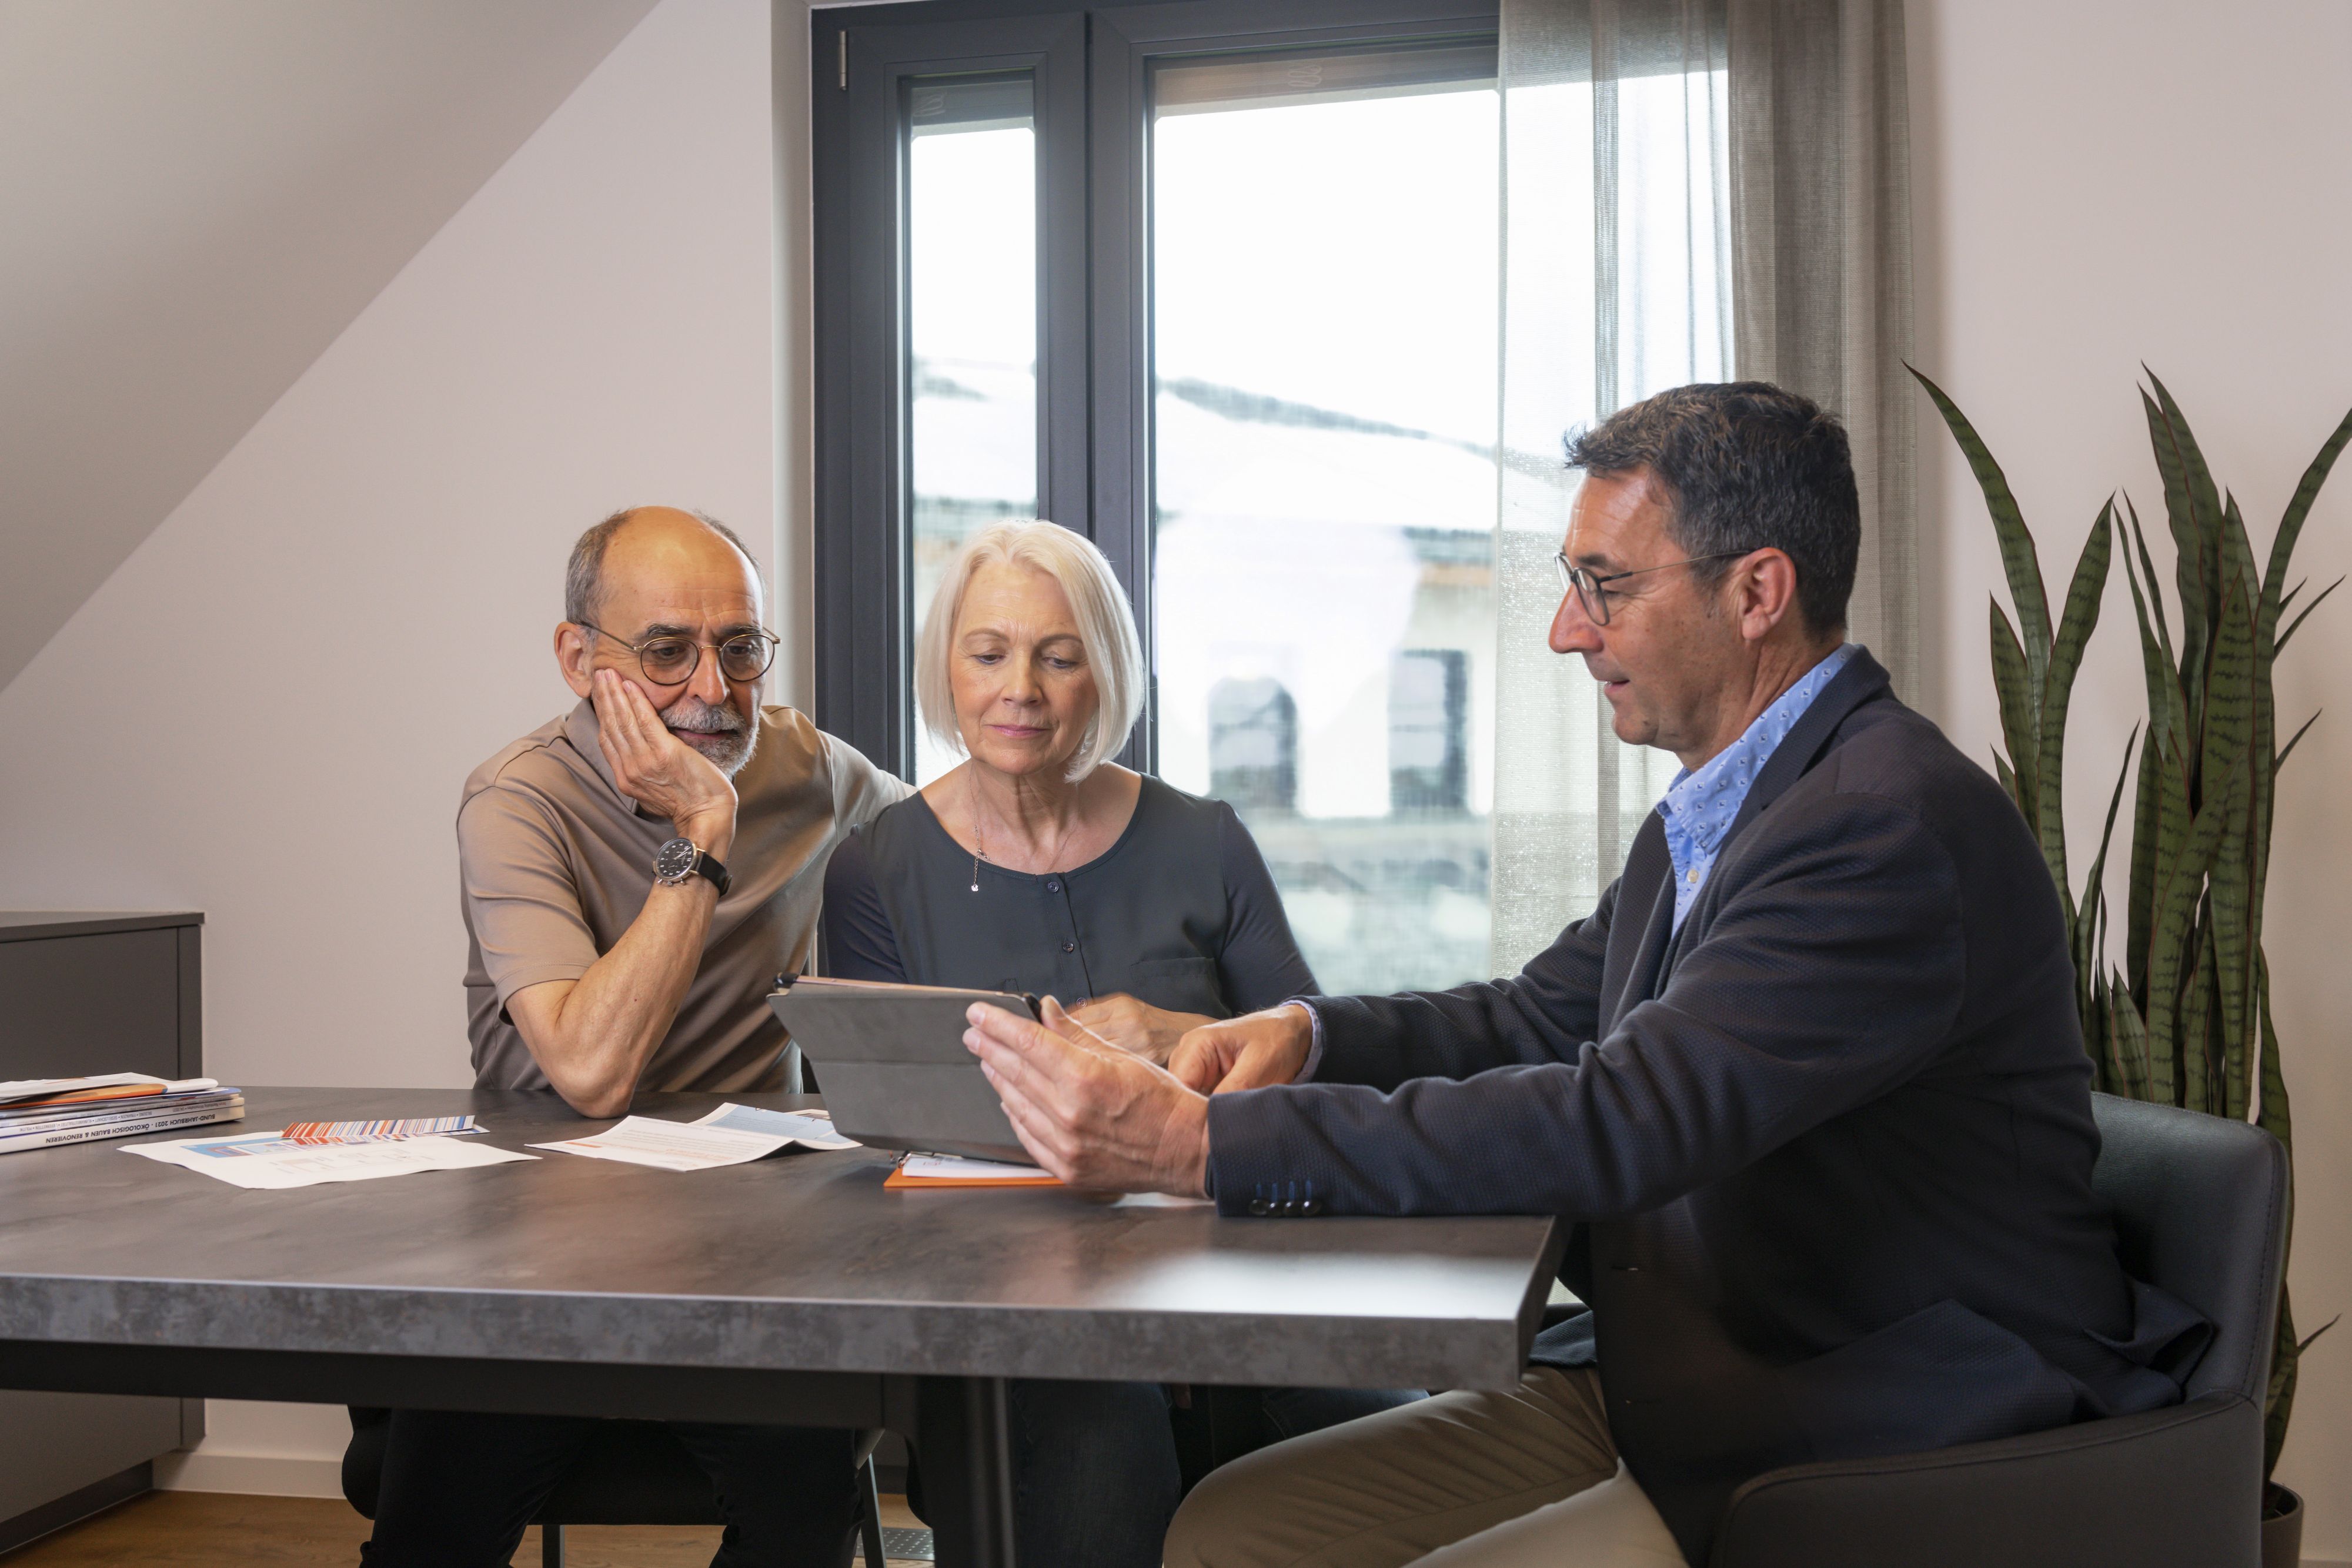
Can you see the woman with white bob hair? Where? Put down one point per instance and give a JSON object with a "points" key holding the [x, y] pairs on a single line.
{"points": [[1038, 865]]}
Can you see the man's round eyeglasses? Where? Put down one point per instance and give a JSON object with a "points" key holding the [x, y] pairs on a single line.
{"points": [[667, 659], [1592, 593]]}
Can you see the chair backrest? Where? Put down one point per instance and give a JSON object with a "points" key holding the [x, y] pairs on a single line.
{"points": [[2201, 1211]]}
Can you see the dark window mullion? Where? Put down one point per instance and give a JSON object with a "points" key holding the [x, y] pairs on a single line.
{"points": [[862, 482], [1064, 460], [1120, 338], [857, 480]]}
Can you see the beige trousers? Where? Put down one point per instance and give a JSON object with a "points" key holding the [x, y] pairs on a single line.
{"points": [[1525, 1480]]}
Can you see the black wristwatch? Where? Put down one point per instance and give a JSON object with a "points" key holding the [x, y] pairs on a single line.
{"points": [[678, 860]]}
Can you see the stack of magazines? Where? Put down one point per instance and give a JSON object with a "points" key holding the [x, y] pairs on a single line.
{"points": [[42, 1113]]}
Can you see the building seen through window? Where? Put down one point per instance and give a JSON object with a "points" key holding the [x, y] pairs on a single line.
{"points": [[1428, 762], [1253, 744]]}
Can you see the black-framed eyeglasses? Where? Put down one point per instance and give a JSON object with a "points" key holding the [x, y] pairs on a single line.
{"points": [[1592, 593], [668, 658]]}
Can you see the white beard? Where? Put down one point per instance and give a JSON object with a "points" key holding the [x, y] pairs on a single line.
{"points": [[726, 740]]}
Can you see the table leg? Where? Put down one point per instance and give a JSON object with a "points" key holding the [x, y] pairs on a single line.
{"points": [[966, 1458]]}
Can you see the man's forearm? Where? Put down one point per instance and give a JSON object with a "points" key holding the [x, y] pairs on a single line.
{"points": [[595, 1043]]}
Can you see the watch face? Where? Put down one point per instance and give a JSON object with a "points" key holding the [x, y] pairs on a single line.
{"points": [[674, 861]]}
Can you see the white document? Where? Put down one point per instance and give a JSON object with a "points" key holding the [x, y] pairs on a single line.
{"points": [[267, 1160], [730, 1136], [809, 1129], [955, 1168]]}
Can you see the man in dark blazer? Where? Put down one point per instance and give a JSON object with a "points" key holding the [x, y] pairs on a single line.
{"points": [[1809, 1080]]}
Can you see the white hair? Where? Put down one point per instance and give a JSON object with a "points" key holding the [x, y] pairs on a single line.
{"points": [[1106, 630]]}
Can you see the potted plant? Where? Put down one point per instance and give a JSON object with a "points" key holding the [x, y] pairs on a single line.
{"points": [[2186, 1020]]}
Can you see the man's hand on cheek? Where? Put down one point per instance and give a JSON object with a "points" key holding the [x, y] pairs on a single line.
{"points": [[657, 770], [1089, 1111]]}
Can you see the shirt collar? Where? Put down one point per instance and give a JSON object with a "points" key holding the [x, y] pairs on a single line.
{"points": [[1704, 802]]}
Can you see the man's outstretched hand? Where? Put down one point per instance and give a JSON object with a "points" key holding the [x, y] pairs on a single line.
{"points": [[1091, 1113], [1248, 1052]]}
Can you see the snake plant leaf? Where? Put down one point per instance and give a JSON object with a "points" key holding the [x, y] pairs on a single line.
{"points": [[2091, 929], [2094, 885], [2278, 1405], [2075, 624], [2139, 897], [2298, 736], [2189, 544], [2193, 1032], [2128, 1037], [2096, 1041], [2148, 575], [2290, 528], [2230, 936], [2168, 711], [2161, 817], [2012, 680], [2019, 559], [2184, 858], [2272, 1113], [2274, 1116], [2238, 549], [2279, 646], [2230, 682], [2200, 510], [2262, 805]]}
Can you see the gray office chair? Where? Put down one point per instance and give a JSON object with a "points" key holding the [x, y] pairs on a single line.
{"points": [[2201, 1205], [634, 1472]]}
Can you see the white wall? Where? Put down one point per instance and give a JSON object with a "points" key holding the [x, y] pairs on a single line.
{"points": [[2097, 185], [266, 712], [200, 199]]}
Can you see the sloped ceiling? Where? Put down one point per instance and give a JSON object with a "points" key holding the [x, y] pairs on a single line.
{"points": [[197, 196]]}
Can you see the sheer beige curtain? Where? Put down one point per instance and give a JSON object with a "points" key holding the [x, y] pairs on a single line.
{"points": [[1692, 189], [1821, 207]]}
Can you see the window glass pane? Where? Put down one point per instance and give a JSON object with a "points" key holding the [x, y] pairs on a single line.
{"points": [[1324, 300], [971, 328], [1581, 340]]}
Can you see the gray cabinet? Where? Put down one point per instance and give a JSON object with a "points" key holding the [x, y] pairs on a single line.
{"points": [[102, 992]]}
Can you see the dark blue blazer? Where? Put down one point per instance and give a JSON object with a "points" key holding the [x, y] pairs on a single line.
{"points": [[1829, 1145]]}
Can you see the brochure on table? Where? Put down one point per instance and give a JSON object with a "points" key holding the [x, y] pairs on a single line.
{"points": [[732, 1136], [273, 1161]]}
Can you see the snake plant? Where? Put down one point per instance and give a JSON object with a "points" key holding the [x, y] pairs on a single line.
{"points": [[2187, 1019]]}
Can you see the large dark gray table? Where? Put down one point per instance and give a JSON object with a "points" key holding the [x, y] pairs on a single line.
{"points": [[794, 1288]]}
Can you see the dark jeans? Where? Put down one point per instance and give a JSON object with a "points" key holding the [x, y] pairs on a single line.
{"points": [[1095, 1478], [459, 1489]]}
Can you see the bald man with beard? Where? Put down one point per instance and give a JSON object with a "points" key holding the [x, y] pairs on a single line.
{"points": [[635, 875]]}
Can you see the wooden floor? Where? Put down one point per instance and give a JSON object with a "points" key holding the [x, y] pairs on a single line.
{"points": [[218, 1530]]}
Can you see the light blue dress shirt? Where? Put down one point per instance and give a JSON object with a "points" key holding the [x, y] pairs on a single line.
{"points": [[1699, 806]]}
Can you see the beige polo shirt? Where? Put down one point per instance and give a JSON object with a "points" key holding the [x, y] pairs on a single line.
{"points": [[555, 863]]}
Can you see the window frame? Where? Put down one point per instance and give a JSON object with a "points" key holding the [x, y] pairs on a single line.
{"points": [[1091, 66]]}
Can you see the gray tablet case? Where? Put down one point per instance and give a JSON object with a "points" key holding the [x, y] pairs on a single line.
{"points": [[892, 1065]]}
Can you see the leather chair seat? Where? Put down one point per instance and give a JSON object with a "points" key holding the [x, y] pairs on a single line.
{"points": [[2201, 1208]]}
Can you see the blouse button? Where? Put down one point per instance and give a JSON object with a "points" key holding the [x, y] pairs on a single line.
{"points": [[1069, 946], [1053, 887]]}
